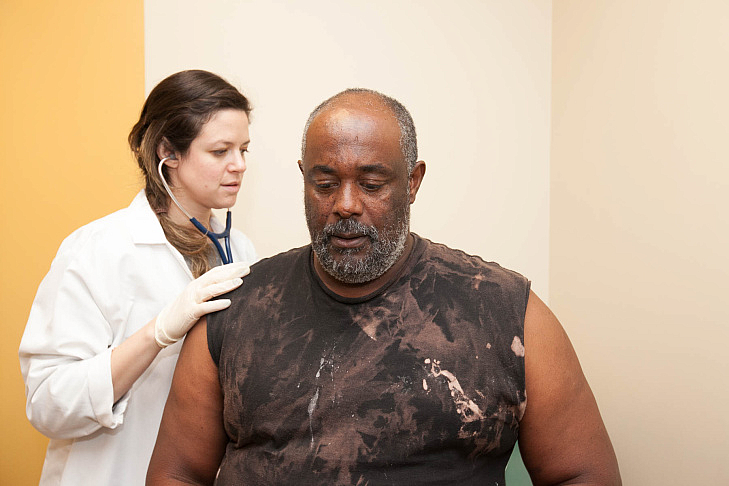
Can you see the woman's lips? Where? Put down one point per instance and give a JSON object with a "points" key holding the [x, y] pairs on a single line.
{"points": [[232, 187]]}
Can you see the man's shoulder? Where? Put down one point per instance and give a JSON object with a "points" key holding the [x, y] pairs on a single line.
{"points": [[262, 290], [453, 260], [439, 253]]}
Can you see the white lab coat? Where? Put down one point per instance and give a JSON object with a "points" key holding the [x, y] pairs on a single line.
{"points": [[108, 280]]}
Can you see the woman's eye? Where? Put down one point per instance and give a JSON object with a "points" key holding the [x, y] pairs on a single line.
{"points": [[220, 152], [244, 150]]}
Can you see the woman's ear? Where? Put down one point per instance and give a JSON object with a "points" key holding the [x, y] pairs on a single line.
{"points": [[165, 151]]}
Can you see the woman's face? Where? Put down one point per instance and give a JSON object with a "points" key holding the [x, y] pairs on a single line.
{"points": [[209, 175]]}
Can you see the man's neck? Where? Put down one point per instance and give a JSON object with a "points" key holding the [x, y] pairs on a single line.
{"points": [[355, 290]]}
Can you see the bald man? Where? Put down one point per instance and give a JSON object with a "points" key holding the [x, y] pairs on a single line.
{"points": [[373, 355]]}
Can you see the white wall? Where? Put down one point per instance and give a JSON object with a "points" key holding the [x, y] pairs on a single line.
{"points": [[475, 76]]}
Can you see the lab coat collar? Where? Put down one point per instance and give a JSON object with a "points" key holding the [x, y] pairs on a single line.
{"points": [[143, 223]]}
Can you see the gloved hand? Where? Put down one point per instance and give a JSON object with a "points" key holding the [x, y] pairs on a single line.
{"points": [[194, 302]]}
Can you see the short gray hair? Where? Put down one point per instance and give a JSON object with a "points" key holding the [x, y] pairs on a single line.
{"points": [[408, 138]]}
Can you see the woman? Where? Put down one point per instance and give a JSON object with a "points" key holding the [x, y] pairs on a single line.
{"points": [[101, 342]]}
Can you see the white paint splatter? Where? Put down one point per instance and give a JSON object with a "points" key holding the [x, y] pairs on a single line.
{"points": [[466, 408], [321, 366], [517, 347], [315, 400], [312, 407]]}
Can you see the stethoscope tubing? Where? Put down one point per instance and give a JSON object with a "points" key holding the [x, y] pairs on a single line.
{"points": [[226, 256]]}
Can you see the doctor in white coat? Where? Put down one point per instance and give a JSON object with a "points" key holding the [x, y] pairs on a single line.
{"points": [[102, 339]]}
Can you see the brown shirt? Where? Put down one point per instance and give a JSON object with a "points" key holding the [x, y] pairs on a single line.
{"points": [[419, 383]]}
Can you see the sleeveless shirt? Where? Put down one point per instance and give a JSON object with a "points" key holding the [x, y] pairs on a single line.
{"points": [[421, 382]]}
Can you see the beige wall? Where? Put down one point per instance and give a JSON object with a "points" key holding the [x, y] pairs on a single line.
{"points": [[639, 258], [474, 74], [475, 78], [71, 85]]}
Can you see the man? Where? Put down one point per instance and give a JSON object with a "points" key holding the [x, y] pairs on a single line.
{"points": [[374, 356]]}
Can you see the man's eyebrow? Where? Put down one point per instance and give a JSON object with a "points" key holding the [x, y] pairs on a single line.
{"points": [[376, 168], [366, 169], [325, 169]]}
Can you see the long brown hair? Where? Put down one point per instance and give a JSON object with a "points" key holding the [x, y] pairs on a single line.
{"points": [[174, 113]]}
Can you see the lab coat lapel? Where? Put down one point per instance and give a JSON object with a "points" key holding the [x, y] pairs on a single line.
{"points": [[146, 229]]}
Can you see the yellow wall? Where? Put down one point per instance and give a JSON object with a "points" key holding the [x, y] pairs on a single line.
{"points": [[639, 235], [71, 86]]}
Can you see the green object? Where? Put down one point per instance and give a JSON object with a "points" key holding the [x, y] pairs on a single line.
{"points": [[516, 473]]}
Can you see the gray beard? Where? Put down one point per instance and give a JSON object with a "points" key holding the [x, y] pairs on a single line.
{"points": [[385, 249]]}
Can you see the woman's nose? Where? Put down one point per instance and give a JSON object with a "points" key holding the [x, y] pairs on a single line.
{"points": [[238, 164]]}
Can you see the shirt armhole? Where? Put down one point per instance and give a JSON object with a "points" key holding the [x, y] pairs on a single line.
{"points": [[215, 337]]}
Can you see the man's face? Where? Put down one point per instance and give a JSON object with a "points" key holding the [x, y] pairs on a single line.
{"points": [[356, 191]]}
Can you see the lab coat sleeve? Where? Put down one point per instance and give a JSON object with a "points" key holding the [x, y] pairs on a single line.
{"points": [[65, 353]]}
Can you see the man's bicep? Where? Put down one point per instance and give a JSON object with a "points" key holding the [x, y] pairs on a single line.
{"points": [[191, 440], [562, 436]]}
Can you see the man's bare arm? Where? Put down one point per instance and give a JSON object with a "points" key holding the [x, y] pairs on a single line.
{"points": [[191, 440], [562, 437]]}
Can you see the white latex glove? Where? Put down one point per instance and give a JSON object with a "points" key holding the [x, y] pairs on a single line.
{"points": [[194, 302]]}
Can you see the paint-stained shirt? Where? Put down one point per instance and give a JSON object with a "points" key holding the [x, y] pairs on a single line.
{"points": [[421, 382]]}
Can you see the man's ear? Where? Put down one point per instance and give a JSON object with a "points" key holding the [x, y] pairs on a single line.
{"points": [[165, 151], [416, 177]]}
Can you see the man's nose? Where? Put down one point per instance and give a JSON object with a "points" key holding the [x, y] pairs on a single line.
{"points": [[347, 202]]}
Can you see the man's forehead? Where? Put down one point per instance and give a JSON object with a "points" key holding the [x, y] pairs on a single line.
{"points": [[360, 99], [343, 118], [349, 121]]}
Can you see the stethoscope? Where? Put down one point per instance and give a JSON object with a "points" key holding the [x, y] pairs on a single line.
{"points": [[225, 255]]}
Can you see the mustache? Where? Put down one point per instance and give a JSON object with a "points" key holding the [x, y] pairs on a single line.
{"points": [[348, 226]]}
